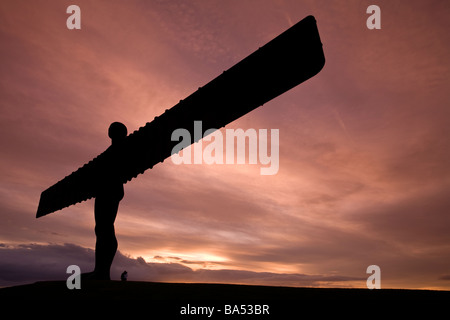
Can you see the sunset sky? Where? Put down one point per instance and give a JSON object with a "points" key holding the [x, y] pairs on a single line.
{"points": [[364, 146]]}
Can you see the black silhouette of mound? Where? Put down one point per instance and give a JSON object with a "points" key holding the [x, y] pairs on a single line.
{"points": [[172, 297], [103, 299]]}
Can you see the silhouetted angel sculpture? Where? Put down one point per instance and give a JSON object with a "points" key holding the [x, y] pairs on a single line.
{"points": [[291, 58], [109, 192]]}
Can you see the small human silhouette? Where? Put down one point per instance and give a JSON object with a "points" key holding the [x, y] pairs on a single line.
{"points": [[108, 195], [124, 276]]}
